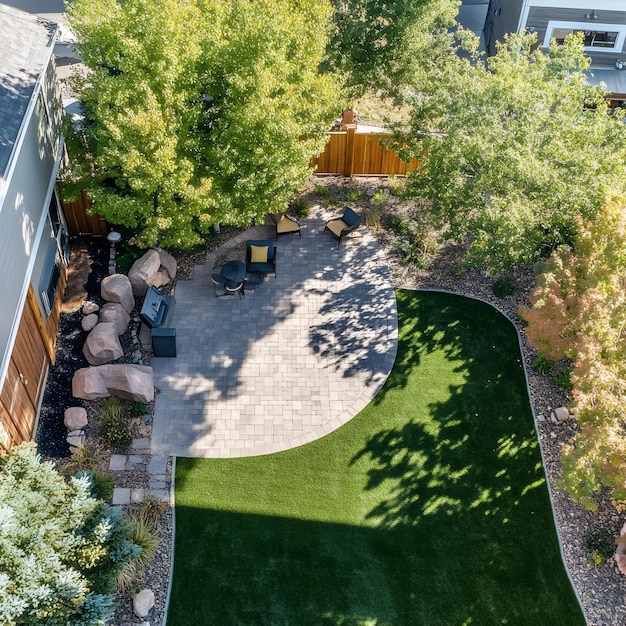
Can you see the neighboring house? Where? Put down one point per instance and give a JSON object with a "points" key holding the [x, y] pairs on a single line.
{"points": [[34, 250], [602, 23]]}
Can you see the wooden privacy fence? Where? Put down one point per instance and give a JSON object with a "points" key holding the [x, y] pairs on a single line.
{"points": [[79, 222], [360, 154]]}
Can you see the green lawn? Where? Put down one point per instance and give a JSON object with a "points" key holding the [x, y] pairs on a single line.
{"points": [[430, 507]]}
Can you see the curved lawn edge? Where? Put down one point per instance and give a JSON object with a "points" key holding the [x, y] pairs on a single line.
{"points": [[510, 344], [532, 408]]}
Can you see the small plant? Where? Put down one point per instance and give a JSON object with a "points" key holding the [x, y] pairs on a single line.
{"points": [[600, 546], [353, 195], [396, 185], [137, 409], [331, 199], [541, 365], [300, 207], [145, 534], [379, 198], [89, 456], [101, 484], [399, 226], [504, 286], [114, 429], [321, 190], [373, 217], [562, 380]]}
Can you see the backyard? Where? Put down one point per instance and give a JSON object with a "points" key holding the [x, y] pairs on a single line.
{"points": [[429, 507]]}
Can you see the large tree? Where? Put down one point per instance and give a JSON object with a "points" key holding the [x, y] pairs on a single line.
{"points": [[378, 46], [199, 111], [61, 550], [515, 149]]}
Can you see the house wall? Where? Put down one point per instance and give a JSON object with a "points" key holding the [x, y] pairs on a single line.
{"points": [[26, 331], [502, 18]]}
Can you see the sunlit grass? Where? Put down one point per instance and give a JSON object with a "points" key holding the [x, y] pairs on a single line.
{"points": [[429, 507]]}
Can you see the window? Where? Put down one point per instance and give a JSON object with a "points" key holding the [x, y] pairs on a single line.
{"points": [[597, 37]]}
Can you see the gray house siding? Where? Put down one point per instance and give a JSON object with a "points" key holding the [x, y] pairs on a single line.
{"points": [[23, 215], [502, 18]]}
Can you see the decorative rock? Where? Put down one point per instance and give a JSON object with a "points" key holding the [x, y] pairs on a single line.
{"points": [[115, 313], [117, 288], [143, 602], [90, 307], [89, 322], [130, 382], [143, 271], [102, 345], [77, 440], [620, 553], [76, 433], [559, 415], [75, 418], [168, 263]]}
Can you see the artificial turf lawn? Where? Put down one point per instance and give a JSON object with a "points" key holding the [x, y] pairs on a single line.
{"points": [[429, 507]]}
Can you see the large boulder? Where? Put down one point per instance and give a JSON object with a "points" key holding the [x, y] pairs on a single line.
{"points": [[143, 272], [115, 313], [102, 344], [127, 381], [168, 263], [117, 288]]}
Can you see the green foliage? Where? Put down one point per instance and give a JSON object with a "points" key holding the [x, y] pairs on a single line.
{"points": [[145, 534], [579, 312], [504, 286], [322, 190], [198, 113], [398, 225], [515, 149], [379, 198], [101, 484], [373, 217], [114, 430], [418, 242], [397, 185], [89, 456], [600, 545], [137, 409], [563, 381], [300, 207], [353, 195], [60, 548], [541, 365]]}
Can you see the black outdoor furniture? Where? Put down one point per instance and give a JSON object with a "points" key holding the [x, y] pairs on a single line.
{"points": [[285, 224], [230, 280], [157, 312], [339, 227], [260, 257]]}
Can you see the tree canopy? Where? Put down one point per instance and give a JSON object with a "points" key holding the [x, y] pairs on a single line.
{"points": [[199, 112], [515, 149], [60, 549]]}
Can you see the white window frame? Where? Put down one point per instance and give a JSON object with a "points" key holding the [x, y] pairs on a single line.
{"points": [[620, 29]]}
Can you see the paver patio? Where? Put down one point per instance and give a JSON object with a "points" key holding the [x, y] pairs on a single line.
{"points": [[292, 361]]}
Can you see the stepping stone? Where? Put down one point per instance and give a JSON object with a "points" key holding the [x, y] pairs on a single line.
{"points": [[137, 495], [158, 465], [161, 495], [117, 462], [136, 459], [141, 444], [121, 495], [158, 485]]}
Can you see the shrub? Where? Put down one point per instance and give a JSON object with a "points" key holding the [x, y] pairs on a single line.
{"points": [[353, 195], [101, 484], [114, 430], [396, 185], [137, 409], [321, 190], [399, 226], [61, 548], [379, 198], [600, 545], [504, 286], [562, 380], [373, 217], [300, 207], [145, 534], [541, 365], [89, 456]]}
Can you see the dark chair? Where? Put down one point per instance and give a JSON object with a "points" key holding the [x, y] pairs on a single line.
{"points": [[285, 224], [339, 227], [260, 257], [225, 287]]}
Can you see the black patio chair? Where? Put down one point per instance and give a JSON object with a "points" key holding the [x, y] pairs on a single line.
{"points": [[339, 227], [260, 257], [285, 224]]}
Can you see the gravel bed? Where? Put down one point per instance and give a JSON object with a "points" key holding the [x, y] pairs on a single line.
{"points": [[601, 588]]}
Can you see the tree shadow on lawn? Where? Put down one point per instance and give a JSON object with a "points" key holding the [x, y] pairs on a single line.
{"points": [[460, 531]]}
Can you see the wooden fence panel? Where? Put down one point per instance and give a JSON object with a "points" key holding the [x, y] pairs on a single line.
{"points": [[79, 222], [360, 154]]}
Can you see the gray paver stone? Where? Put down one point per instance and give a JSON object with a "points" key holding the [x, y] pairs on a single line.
{"points": [[161, 495], [121, 495], [137, 495], [158, 465], [141, 444], [117, 462]]}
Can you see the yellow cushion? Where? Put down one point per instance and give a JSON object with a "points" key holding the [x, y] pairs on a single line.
{"points": [[285, 225], [336, 226], [258, 254]]}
